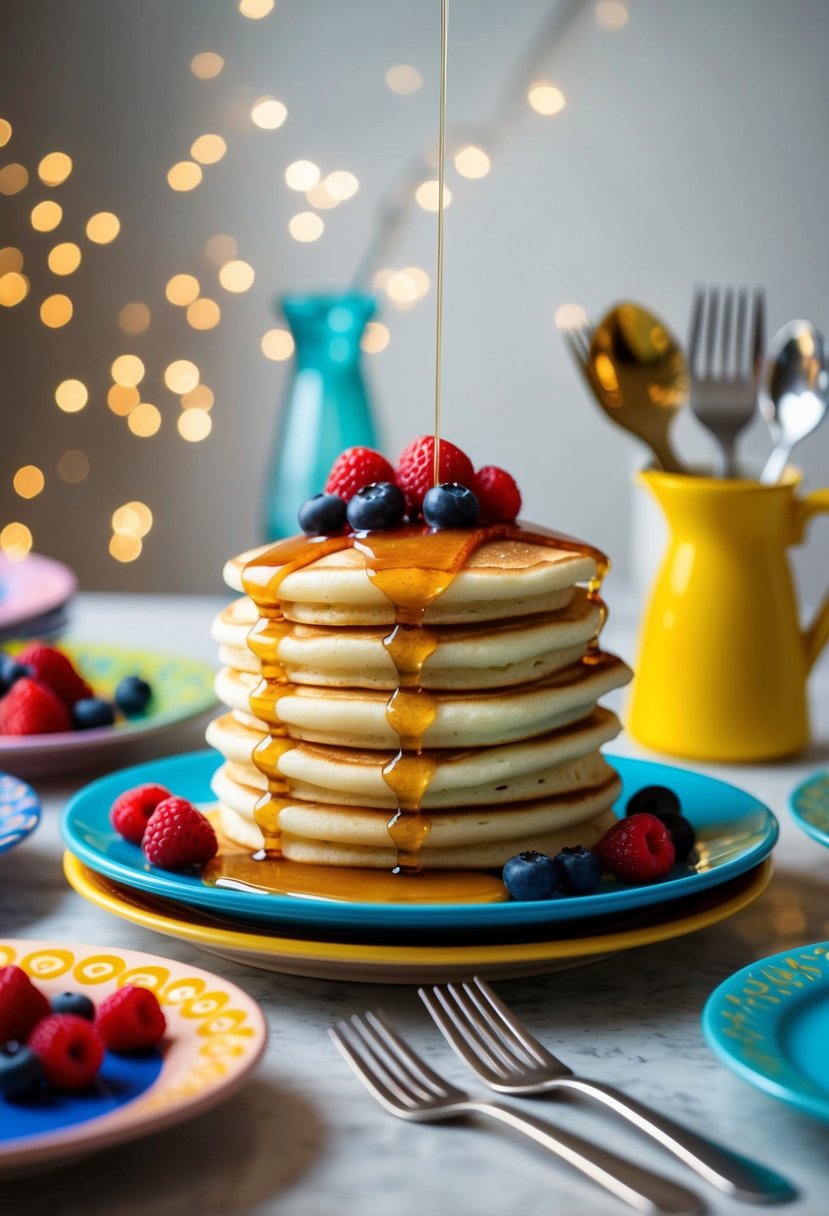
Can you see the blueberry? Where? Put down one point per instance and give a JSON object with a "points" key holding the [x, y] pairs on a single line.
{"points": [[450, 505], [73, 1002], [322, 515], [21, 1072], [579, 869], [11, 671], [531, 875], [90, 712], [655, 800], [379, 505], [682, 833], [132, 696]]}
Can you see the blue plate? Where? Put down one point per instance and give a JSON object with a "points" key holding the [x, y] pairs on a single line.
{"points": [[19, 811], [770, 1024], [810, 807], [735, 832]]}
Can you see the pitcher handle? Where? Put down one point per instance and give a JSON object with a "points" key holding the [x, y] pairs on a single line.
{"points": [[816, 635]]}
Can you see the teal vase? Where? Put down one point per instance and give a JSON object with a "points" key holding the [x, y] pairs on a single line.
{"points": [[326, 407]]}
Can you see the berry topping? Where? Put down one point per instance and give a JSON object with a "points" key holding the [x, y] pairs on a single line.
{"points": [[497, 493], [132, 696], [579, 869], [21, 1072], [682, 833], [653, 800], [74, 1002], [178, 836], [11, 670], [637, 849], [70, 1050], [131, 1019], [530, 875], [31, 708], [322, 515], [131, 810], [450, 505], [52, 668], [22, 1005], [416, 468], [355, 468], [379, 505], [92, 712]]}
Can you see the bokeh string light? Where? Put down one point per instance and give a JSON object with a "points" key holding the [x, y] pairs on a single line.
{"points": [[530, 88]]}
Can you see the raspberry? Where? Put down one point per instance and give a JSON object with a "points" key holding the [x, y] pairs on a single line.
{"points": [[70, 1050], [54, 669], [355, 468], [416, 469], [498, 495], [32, 709], [637, 849], [132, 809], [22, 1005], [131, 1019], [178, 836]]}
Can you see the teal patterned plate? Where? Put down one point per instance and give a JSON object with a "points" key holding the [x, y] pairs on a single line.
{"points": [[182, 689], [770, 1023], [810, 807]]}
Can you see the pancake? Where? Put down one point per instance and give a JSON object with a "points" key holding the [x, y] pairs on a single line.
{"points": [[501, 580], [572, 815]]}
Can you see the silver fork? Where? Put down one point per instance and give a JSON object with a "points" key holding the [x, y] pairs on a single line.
{"points": [[725, 364], [405, 1085], [500, 1049]]}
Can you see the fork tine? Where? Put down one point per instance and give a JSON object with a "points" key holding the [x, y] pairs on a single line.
{"points": [[758, 344], [741, 370], [711, 330], [510, 1024], [725, 335], [376, 1028], [472, 1040], [695, 331], [368, 1067]]}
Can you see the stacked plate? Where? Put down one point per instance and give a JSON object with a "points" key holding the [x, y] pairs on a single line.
{"points": [[34, 597], [421, 943]]}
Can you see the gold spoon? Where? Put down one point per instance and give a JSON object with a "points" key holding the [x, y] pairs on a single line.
{"points": [[638, 373]]}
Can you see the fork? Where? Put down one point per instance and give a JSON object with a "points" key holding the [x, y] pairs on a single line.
{"points": [[406, 1085], [724, 391], [500, 1049]]}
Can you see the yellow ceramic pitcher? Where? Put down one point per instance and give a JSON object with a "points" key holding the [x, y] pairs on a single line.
{"points": [[723, 662]]}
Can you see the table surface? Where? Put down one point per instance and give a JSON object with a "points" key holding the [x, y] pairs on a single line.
{"points": [[304, 1139]]}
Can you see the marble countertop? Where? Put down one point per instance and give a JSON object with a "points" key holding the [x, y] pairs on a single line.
{"points": [[304, 1139]]}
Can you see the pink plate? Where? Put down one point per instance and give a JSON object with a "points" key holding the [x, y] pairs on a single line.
{"points": [[31, 588], [215, 1035]]}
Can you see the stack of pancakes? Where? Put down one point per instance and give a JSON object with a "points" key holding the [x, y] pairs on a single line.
{"points": [[510, 756]]}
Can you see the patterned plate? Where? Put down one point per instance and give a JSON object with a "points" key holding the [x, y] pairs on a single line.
{"points": [[182, 689], [810, 807], [33, 587], [19, 811], [215, 1036], [770, 1023]]}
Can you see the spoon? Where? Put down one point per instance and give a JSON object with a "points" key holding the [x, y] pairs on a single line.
{"points": [[796, 395], [639, 376]]}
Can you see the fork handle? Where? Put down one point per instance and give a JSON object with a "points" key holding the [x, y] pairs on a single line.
{"points": [[729, 1172], [640, 1188]]}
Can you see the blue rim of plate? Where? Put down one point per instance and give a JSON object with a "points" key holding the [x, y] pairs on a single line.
{"points": [[735, 833], [19, 811], [769, 1024], [809, 805]]}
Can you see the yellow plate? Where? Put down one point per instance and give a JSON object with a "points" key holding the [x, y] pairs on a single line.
{"points": [[395, 964]]}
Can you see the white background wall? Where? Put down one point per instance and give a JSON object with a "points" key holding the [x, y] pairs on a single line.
{"points": [[692, 148]]}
